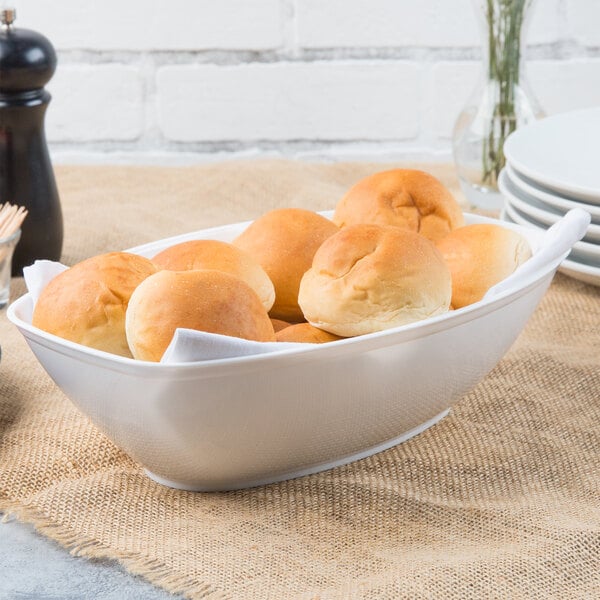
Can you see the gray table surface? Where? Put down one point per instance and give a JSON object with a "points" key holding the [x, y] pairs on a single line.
{"points": [[33, 567]]}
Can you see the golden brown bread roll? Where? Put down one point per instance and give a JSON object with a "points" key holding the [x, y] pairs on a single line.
{"points": [[283, 242], [87, 303], [369, 278], [219, 256], [278, 324], [204, 300], [479, 256], [406, 198], [305, 332]]}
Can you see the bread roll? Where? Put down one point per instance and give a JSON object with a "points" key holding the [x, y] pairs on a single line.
{"points": [[406, 198], [369, 278], [305, 332], [278, 324], [219, 256], [480, 256], [205, 300], [283, 242], [86, 304]]}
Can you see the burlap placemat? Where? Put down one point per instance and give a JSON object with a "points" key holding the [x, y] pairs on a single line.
{"points": [[501, 499]]}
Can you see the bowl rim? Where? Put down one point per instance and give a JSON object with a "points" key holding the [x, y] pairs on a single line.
{"points": [[289, 355], [357, 345]]}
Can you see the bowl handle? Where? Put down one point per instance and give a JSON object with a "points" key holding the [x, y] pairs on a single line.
{"points": [[556, 245]]}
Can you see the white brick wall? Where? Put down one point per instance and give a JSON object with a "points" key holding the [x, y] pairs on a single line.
{"points": [[173, 80], [117, 109], [584, 19], [148, 25], [453, 83], [290, 101], [385, 23]]}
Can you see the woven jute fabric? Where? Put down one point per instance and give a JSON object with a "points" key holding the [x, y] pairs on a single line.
{"points": [[501, 499]]}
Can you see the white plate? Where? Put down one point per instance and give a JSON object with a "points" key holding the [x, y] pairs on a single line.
{"points": [[582, 251], [526, 186], [576, 270], [581, 272], [560, 153], [537, 210]]}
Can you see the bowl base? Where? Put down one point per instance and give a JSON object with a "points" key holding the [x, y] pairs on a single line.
{"points": [[232, 485]]}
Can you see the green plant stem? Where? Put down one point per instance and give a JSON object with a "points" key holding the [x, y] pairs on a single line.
{"points": [[504, 21]]}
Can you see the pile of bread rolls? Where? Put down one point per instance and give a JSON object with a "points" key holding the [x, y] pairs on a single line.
{"points": [[395, 252]]}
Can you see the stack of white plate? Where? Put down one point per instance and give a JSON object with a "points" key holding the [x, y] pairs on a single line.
{"points": [[552, 166]]}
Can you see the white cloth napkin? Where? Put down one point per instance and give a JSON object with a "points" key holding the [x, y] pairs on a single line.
{"points": [[187, 345], [190, 345], [38, 275]]}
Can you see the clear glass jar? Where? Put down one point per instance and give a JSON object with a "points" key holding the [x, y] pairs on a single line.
{"points": [[500, 103]]}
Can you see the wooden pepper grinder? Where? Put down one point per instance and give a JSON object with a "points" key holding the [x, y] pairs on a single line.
{"points": [[27, 62]]}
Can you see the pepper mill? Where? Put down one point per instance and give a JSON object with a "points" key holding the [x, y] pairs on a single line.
{"points": [[27, 62]]}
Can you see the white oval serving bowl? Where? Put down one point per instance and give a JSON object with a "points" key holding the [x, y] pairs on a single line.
{"points": [[240, 422]]}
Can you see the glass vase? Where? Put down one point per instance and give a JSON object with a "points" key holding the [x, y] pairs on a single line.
{"points": [[500, 103]]}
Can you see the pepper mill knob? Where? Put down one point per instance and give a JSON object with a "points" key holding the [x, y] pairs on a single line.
{"points": [[27, 58], [7, 17]]}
